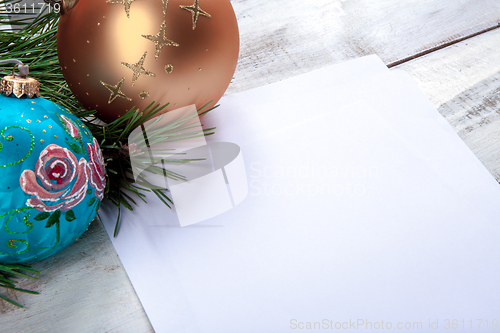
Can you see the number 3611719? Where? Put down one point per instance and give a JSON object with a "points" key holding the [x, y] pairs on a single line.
{"points": [[18, 8]]}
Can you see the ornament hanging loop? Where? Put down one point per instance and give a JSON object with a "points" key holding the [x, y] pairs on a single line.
{"points": [[23, 69]]}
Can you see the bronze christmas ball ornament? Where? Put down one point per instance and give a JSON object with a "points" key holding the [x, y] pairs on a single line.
{"points": [[116, 54]]}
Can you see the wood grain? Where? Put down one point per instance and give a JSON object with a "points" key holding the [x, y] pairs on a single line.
{"points": [[463, 81], [82, 289], [280, 39], [475, 115], [85, 289]]}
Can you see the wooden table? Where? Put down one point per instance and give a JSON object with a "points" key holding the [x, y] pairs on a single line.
{"points": [[450, 47]]}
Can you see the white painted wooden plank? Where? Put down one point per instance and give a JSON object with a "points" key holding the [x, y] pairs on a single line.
{"points": [[83, 289], [451, 71], [281, 39], [464, 82]]}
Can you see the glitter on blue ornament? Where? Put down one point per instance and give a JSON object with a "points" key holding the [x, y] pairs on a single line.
{"points": [[52, 174]]}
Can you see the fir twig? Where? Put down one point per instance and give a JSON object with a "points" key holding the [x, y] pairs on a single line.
{"points": [[33, 41], [8, 274], [35, 44]]}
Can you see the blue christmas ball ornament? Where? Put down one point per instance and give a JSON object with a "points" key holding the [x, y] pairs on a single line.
{"points": [[52, 174]]}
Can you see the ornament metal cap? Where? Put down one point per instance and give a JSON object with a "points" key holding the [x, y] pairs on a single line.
{"points": [[67, 5], [19, 84]]}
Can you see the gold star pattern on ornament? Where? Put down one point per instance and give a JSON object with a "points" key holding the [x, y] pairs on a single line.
{"points": [[138, 68], [143, 94], [165, 4], [116, 91], [169, 68], [160, 40], [195, 12], [125, 3]]}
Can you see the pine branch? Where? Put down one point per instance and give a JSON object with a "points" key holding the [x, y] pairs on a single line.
{"points": [[33, 41], [8, 274], [35, 44]]}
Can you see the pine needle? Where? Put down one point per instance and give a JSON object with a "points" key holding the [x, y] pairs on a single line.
{"points": [[33, 41]]}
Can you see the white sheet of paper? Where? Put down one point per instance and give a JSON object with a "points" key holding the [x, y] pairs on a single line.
{"points": [[410, 247], [393, 95]]}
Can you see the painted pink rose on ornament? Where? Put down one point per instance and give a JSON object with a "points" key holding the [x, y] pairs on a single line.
{"points": [[63, 180], [96, 169]]}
